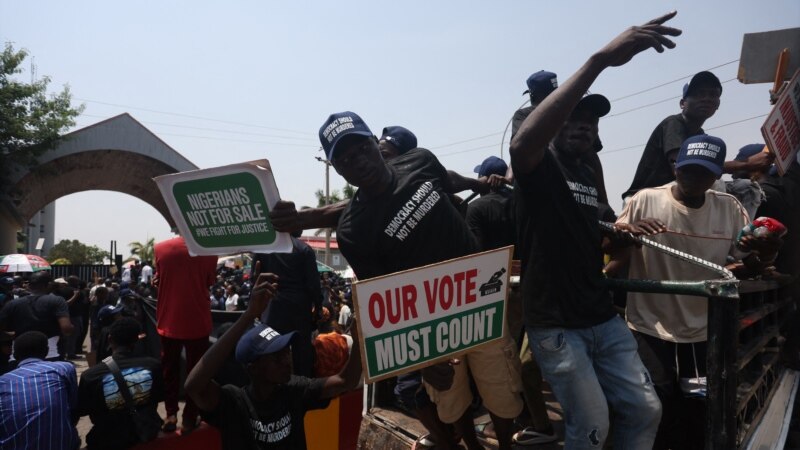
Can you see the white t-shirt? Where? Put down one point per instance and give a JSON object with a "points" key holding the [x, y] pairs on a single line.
{"points": [[708, 232], [231, 302], [126, 274], [344, 315], [147, 274]]}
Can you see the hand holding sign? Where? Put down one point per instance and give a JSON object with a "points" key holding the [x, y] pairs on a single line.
{"points": [[225, 209]]}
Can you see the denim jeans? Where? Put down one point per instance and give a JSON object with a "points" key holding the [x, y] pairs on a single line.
{"points": [[590, 369]]}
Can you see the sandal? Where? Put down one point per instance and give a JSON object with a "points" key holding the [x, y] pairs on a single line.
{"points": [[170, 424], [529, 436], [486, 432]]}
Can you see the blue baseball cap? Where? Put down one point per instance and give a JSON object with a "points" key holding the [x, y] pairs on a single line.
{"points": [[106, 312], [701, 78], [261, 340], [541, 83], [403, 139], [703, 150], [339, 125], [491, 165], [748, 151]]}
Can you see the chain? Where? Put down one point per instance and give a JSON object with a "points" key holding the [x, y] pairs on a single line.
{"points": [[725, 273]]}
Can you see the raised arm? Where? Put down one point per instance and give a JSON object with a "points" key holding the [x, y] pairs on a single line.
{"points": [[200, 385], [542, 124], [285, 216]]}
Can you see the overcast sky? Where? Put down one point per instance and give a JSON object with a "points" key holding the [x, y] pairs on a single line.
{"points": [[260, 77]]}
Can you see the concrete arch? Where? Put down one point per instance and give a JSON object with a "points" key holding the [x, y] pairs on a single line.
{"points": [[118, 154]]}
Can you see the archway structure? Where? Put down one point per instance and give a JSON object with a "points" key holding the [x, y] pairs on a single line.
{"points": [[118, 154]]}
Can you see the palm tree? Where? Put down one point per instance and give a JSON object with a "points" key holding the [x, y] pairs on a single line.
{"points": [[347, 193], [144, 251]]}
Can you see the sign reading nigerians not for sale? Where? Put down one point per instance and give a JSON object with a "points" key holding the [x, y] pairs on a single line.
{"points": [[414, 318], [225, 209]]}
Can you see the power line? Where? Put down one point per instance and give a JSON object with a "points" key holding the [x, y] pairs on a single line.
{"points": [[230, 140], [655, 103], [671, 81], [467, 150], [606, 152], [191, 116], [466, 140], [739, 121], [210, 129]]}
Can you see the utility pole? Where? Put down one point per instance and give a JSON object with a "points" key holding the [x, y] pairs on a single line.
{"points": [[327, 201]]}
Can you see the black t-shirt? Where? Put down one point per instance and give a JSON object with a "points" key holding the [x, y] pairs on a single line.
{"points": [[35, 312], [559, 242], [654, 169], [277, 424], [290, 310], [99, 398], [491, 220], [518, 118], [411, 224]]}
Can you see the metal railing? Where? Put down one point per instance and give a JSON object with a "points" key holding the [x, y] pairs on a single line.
{"points": [[83, 271], [745, 320]]}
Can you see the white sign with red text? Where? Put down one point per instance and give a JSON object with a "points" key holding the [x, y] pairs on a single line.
{"points": [[782, 128], [412, 319]]}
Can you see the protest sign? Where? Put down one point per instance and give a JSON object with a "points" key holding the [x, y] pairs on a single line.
{"points": [[782, 128], [412, 319], [225, 209]]}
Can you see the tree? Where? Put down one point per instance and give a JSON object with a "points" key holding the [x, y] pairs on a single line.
{"points": [[30, 120], [348, 192], [145, 251], [77, 252]]}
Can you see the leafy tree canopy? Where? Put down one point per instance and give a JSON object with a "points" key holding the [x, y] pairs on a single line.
{"points": [[76, 252], [31, 121]]}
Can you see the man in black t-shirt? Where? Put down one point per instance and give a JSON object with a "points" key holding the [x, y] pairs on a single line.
{"points": [[585, 351], [300, 293], [39, 311], [540, 85], [99, 396], [700, 100], [491, 219], [400, 219], [268, 413]]}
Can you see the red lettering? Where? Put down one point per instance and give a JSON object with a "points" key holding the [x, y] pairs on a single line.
{"points": [[410, 301], [376, 317], [446, 292], [782, 143], [470, 291], [430, 295], [459, 279], [393, 313]]}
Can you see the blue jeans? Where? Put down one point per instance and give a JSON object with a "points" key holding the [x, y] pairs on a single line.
{"points": [[590, 369]]}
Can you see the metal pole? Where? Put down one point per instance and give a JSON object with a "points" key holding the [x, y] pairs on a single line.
{"points": [[327, 201], [723, 331]]}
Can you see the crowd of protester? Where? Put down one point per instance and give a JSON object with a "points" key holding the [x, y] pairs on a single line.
{"points": [[293, 345]]}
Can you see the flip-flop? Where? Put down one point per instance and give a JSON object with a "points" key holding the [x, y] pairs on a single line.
{"points": [[529, 436], [485, 431]]}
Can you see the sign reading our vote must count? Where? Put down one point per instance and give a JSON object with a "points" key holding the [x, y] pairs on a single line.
{"points": [[225, 209], [412, 319]]}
